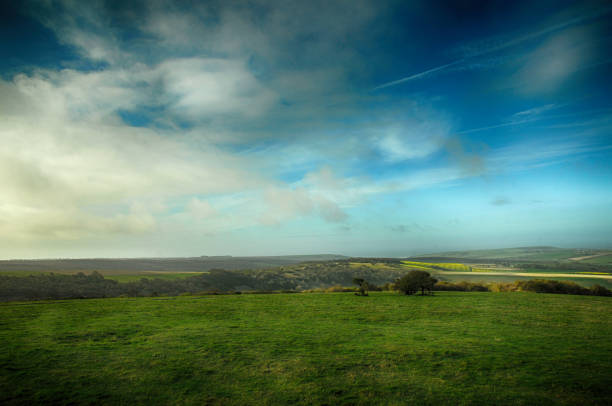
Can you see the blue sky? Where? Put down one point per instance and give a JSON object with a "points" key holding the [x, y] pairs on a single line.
{"points": [[367, 128]]}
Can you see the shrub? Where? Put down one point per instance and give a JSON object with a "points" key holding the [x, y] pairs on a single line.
{"points": [[362, 285], [388, 286], [462, 286], [502, 287], [339, 288], [414, 281], [447, 286], [598, 290], [550, 286]]}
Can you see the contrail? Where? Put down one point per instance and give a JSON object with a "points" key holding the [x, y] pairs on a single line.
{"points": [[418, 75], [507, 44]]}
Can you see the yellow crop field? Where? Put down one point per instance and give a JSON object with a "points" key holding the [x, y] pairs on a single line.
{"points": [[442, 266], [455, 267], [595, 273], [417, 264]]}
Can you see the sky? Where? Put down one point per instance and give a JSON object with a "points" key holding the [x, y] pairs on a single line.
{"points": [[364, 128]]}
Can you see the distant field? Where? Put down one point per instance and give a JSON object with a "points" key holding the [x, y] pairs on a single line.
{"points": [[455, 272], [446, 266], [323, 274], [535, 254], [452, 348], [601, 260]]}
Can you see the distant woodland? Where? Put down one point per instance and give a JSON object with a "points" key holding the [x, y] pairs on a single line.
{"points": [[323, 276]]}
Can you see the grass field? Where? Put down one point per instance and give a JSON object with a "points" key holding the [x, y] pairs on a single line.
{"points": [[452, 348], [432, 266], [601, 260]]}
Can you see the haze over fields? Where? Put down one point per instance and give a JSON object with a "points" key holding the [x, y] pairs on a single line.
{"points": [[361, 128]]}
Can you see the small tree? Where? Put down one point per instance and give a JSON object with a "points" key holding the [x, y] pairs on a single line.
{"points": [[599, 290], [414, 281], [363, 286]]}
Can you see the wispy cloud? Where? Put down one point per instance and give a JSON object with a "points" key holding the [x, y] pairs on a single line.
{"points": [[491, 46], [540, 113], [500, 43], [534, 111], [420, 75], [218, 124], [544, 152]]}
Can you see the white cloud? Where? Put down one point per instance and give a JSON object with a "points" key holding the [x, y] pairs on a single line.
{"points": [[412, 139], [319, 193], [68, 223], [200, 209], [206, 86], [285, 204], [83, 25], [554, 61], [69, 167], [330, 211], [324, 179]]}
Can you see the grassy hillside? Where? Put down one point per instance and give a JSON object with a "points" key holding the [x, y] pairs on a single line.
{"points": [[452, 348]]}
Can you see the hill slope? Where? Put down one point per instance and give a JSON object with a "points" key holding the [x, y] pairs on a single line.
{"points": [[521, 254], [120, 265]]}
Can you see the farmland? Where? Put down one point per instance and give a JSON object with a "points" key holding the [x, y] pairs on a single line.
{"points": [[173, 276]]}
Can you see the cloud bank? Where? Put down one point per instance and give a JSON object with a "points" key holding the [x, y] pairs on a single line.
{"points": [[218, 123]]}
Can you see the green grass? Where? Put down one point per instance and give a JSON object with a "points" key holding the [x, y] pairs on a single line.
{"points": [[432, 266], [452, 348]]}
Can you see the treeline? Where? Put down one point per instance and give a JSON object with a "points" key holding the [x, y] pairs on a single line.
{"points": [[94, 285], [532, 285]]}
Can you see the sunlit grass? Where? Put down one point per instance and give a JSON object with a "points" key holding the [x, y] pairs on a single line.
{"points": [[451, 348], [444, 266], [595, 273], [372, 265]]}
